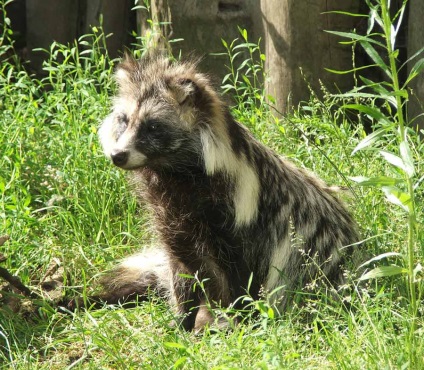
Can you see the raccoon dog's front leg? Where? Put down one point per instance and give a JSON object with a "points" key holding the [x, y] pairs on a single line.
{"points": [[206, 288], [187, 296]]}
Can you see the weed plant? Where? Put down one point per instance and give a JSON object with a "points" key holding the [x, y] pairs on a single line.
{"points": [[393, 139], [61, 202]]}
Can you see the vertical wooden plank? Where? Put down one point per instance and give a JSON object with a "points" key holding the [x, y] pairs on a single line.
{"points": [[415, 43], [48, 21], [202, 25], [298, 49], [116, 21]]}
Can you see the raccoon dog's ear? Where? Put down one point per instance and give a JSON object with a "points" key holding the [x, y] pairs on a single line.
{"points": [[125, 69], [122, 76], [183, 89]]}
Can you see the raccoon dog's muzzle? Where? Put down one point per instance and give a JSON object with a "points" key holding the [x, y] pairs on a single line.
{"points": [[122, 152]]}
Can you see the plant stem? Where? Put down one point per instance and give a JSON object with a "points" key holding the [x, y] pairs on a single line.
{"points": [[387, 22]]}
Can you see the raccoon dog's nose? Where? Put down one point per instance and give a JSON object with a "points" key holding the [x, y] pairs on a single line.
{"points": [[119, 158]]}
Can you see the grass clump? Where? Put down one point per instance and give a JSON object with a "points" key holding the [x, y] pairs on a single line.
{"points": [[62, 203]]}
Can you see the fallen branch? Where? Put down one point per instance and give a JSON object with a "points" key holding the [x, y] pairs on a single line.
{"points": [[12, 279], [15, 282]]}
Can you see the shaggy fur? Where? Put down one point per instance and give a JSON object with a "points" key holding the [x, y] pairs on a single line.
{"points": [[226, 208]]}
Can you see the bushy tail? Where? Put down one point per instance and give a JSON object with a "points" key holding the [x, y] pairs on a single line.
{"points": [[130, 281], [136, 276]]}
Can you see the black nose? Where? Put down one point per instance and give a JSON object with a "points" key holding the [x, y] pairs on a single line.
{"points": [[120, 158]]}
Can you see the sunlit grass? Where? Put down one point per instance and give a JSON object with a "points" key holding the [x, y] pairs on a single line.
{"points": [[62, 201]]}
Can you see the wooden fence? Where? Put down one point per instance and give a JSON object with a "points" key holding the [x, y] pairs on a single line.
{"points": [[292, 34]]}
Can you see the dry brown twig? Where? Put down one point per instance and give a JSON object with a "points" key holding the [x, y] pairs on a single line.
{"points": [[12, 279]]}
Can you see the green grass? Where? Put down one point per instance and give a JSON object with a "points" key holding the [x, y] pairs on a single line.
{"points": [[63, 202]]}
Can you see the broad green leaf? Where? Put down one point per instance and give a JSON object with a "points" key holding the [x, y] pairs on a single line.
{"points": [[398, 197], [377, 86], [244, 45], [373, 112], [407, 159], [402, 93], [356, 37], [376, 181], [393, 159], [352, 94], [180, 362], [380, 89], [395, 53], [246, 80], [369, 140], [372, 18], [383, 271], [243, 64], [261, 307], [375, 56], [380, 257], [379, 95], [174, 345]]}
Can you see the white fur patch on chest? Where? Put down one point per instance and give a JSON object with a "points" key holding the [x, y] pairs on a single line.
{"points": [[218, 156]]}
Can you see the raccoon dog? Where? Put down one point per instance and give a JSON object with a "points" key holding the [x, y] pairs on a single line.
{"points": [[227, 209]]}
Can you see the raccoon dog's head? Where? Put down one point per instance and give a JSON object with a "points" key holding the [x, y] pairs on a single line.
{"points": [[159, 113]]}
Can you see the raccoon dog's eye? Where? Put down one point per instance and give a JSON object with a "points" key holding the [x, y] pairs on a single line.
{"points": [[152, 126]]}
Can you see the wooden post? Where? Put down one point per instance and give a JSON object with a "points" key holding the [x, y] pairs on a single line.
{"points": [[298, 49], [415, 43]]}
